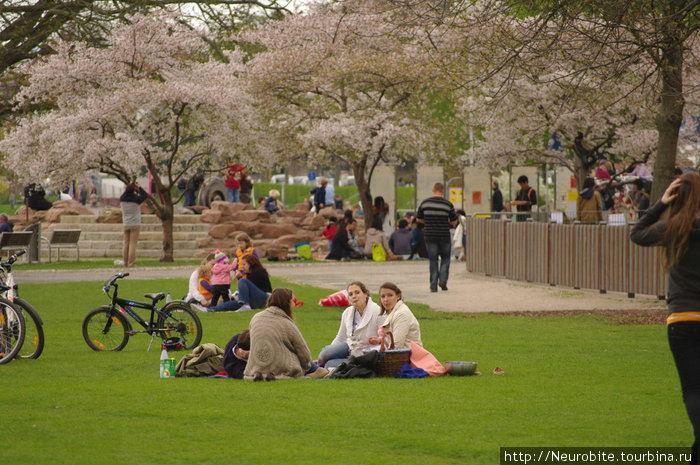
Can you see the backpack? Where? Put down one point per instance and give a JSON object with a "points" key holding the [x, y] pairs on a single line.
{"points": [[378, 253], [206, 359]]}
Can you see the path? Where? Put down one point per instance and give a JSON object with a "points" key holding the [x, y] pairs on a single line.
{"points": [[467, 292]]}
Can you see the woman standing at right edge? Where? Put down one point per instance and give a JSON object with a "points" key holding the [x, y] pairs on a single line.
{"points": [[674, 222]]}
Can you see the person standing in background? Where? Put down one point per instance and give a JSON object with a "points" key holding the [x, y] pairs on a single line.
{"points": [[233, 183], [438, 214], [130, 203]]}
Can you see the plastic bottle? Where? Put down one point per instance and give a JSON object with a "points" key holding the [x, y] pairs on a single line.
{"points": [[168, 298], [164, 358]]}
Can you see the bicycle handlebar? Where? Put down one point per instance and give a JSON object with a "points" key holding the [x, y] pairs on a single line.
{"points": [[112, 281], [11, 259]]}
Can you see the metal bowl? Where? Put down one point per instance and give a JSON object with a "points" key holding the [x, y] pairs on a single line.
{"points": [[461, 368]]}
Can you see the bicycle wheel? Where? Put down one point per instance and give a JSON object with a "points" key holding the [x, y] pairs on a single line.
{"points": [[11, 330], [106, 329], [33, 344], [182, 322]]}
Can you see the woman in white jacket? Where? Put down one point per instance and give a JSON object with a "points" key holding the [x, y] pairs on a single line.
{"points": [[403, 325], [359, 322]]}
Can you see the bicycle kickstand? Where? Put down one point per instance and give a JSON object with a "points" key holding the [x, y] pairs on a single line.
{"points": [[153, 336]]}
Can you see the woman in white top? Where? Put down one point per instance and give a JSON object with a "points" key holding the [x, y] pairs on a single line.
{"points": [[400, 321], [359, 322]]}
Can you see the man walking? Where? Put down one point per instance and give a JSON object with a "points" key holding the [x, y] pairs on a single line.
{"points": [[438, 215]]}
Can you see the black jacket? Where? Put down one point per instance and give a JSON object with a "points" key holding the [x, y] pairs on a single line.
{"points": [[684, 276]]}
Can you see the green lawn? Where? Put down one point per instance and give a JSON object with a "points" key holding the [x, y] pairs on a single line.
{"points": [[570, 381]]}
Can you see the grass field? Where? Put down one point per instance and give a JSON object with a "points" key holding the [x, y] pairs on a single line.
{"points": [[570, 381]]}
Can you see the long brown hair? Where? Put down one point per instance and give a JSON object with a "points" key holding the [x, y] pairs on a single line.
{"points": [[683, 212], [392, 287], [254, 262], [281, 297]]}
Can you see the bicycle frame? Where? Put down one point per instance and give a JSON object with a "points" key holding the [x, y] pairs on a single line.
{"points": [[126, 306]]}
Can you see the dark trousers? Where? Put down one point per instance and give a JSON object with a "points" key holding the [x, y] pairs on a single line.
{"points": [[438, 252], [684, 341], [219, 290]]}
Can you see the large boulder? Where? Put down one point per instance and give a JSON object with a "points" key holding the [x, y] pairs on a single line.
{"points": [[313, 222], [327, 212], [277, 253], [247, 227], [211, 216], [109, 215], [73, 207], [276, 230], [228, 208], [293, 213], [203, 242], [251, 215], [291, 239], [220, 231]]}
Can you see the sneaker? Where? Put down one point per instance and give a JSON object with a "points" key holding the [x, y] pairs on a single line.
{"points": [[244, 308], [443, 287], [433, 290], [318, 374], [199, 308]]}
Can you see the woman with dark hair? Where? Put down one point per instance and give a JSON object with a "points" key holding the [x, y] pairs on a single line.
{"points": [[340, 245], [253, 290], [277, 348], [674, 223], [400, 320], [359, 322]]}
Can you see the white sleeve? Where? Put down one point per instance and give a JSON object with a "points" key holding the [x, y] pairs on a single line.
{"points": [[342, 335], [194, 287]]}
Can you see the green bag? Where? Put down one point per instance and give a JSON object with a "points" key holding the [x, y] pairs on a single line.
{"points": [[303, 249], [378, 253]]}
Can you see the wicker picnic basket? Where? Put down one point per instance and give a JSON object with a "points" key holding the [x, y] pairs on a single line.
{"points": [[391, 359]]}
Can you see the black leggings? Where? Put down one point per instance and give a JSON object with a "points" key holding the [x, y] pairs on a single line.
{"points": [[684, 341], [219, 290]]}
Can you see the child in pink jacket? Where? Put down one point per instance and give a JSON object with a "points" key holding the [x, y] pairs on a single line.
{"points": [[221, 277]]}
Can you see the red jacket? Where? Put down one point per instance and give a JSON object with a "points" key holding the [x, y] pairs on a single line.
{"points": [[233, 180]]}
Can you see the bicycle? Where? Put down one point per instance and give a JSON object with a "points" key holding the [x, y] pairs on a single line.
{"points": [[33, 344], [11, 328], [107, 328]]}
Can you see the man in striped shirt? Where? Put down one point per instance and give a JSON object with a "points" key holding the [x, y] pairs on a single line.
{"points": [[438, 215]]}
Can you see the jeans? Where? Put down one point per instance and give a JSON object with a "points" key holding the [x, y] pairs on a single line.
{"points": [[251, 294], [684, 341], [333, 352], [233, 195], [438, 249]]}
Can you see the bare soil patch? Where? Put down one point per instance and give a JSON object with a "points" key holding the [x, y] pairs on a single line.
{"points": [[620, 317]]}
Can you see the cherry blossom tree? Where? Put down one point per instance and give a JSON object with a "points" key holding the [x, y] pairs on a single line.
{"points": [[150, 99], [495, 38], [341, 83]]}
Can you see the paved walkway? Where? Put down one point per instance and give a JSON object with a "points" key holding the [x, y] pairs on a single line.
{"points": [[467, 292]]}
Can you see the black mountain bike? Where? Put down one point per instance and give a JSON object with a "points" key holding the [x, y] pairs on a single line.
{"points": [[33, 344], [108, 328]]}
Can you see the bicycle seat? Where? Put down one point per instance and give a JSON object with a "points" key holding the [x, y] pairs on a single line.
{"points": [[155, 296]]}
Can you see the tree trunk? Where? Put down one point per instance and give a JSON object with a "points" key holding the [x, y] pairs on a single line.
{"points": [[166, 219], [358, 169], [669, 116]]}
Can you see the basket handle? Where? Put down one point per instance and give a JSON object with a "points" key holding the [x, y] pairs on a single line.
{"points": [[391, 347]]}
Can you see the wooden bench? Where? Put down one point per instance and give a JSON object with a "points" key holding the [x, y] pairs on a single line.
{"points": [[63, 239], [12, 241]]}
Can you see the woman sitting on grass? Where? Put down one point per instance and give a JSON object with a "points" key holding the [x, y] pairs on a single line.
{"points": [[400, 320], [196, 293], [359, 322], [674, 222], [277, 348], [252, 290], [340, 246]]}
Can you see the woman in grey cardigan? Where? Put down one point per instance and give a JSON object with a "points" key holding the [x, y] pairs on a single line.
{"points": [[277, 348]]}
